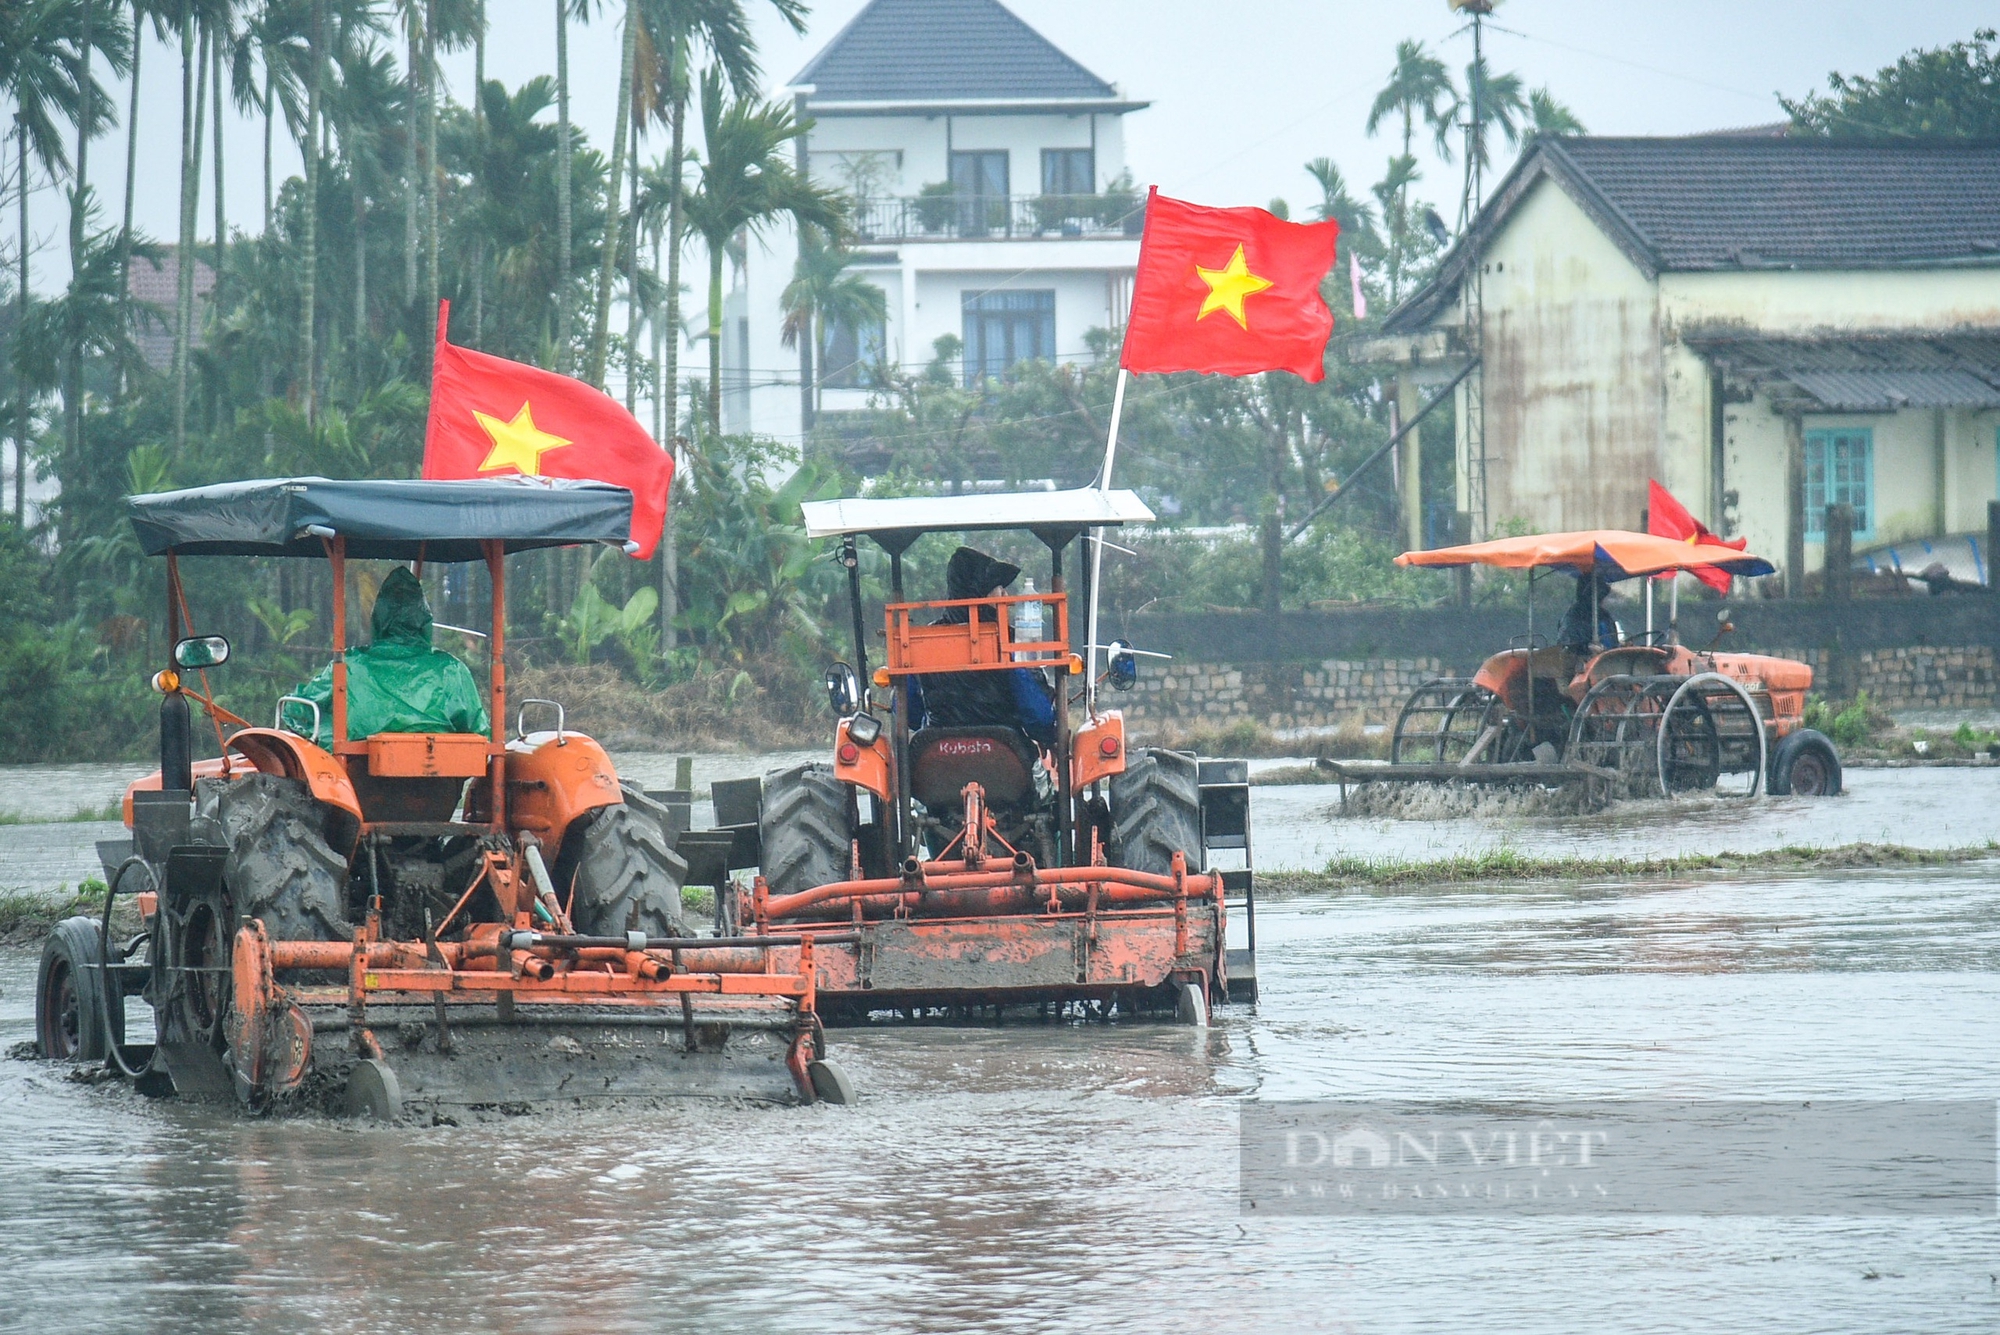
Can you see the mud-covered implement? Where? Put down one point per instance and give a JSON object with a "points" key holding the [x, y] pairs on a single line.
{"points": [[953, 870], [1645, 717], [422, 917]]}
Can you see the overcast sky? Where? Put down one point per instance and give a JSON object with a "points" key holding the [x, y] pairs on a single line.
{"points": [[1242, 91]]}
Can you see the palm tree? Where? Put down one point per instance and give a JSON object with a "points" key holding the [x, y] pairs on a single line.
{"points": [[747, 182], [38, 71], [1548, 116], [825, 294], [665, 76], [110, 38], [1356, 219], [363, 105], [1419, 85], [607, 265], [309, 206], [1491, 101]]}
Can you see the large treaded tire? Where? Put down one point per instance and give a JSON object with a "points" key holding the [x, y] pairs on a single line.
{"points": [[628, 878], [70, 1003], [804, 830], [1156, 811], [1804, 765], [280, 867]]}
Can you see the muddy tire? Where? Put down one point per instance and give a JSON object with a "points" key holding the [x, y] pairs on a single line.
{"points": [[280, 867], [1804, 765], [804, 830], [70, 1000], [1156, 811], [628, 877]]}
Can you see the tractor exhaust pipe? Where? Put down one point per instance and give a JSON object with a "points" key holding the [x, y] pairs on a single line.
{"points": [[176, 744]]}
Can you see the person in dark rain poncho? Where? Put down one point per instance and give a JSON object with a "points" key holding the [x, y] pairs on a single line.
{"points": [[1014, 697]]}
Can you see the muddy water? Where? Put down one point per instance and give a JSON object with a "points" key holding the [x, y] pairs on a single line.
{"points": [[1037, 1178]]}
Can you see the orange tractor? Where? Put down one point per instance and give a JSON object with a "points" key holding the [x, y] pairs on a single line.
{"points": [[422, 918], [958, 870], [1649, 714]]}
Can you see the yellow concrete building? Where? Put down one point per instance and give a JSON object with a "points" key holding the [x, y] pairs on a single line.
{"points": [[1767, 325]]}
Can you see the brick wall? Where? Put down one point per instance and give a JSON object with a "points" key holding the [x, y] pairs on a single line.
{"points": [[1318, 670]]}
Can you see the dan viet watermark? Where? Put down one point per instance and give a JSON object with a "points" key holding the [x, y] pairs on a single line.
{"points": [[1721, 1157]]}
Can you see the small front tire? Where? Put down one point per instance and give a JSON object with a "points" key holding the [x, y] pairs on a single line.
{"points": [[1805, 765], [71, 1007]]}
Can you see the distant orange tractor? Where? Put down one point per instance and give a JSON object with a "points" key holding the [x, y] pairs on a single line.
{"points": [[1651, 713]]}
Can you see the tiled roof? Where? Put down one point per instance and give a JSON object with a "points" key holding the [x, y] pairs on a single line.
{"points": [[945, 50], [1726, 202], [1742, 202]]}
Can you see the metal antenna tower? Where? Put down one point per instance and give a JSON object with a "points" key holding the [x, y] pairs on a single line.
{"points": [[1473, 289]]}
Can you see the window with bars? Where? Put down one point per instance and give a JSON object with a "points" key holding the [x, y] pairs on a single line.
{"points": [[1002, 328], [1840, 470]]}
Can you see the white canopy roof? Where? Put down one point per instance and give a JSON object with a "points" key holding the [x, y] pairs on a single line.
{"points": [[1086, 507]]}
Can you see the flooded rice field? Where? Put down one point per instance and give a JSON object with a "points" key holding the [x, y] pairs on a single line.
{"points": [[1053, 1177]]}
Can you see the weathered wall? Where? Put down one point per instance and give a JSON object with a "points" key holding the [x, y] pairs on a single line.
{"points": [[1572, 378], [1321, 669]]}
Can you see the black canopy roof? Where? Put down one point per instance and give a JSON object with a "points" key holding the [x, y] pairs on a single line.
{"points": [[381, 520]]}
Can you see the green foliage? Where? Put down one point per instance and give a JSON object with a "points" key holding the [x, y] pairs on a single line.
{"points": [[593, 619], [1855, 724], [1949, 92]]}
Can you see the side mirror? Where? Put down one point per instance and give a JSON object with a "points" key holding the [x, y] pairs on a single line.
{"points": [[201, 651], [1722, 617], [1121, 666], [843, 690]]}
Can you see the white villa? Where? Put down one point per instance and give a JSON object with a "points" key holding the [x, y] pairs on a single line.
{"points": [[992, 205]]}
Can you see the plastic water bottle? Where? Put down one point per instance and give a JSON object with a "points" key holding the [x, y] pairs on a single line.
{"points": [[1027, 621]]}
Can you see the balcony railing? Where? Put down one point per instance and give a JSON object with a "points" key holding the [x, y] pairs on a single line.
{"points": [[956, 217]]}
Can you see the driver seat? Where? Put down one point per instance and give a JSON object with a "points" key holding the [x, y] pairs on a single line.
{"points": [[1000, 760]]}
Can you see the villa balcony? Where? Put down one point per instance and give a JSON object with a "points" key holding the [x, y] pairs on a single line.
{"points": [[947, 216]]}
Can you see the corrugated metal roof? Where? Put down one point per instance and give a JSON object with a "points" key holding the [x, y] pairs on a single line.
{"points": [[1864, 372], [944, 50]]}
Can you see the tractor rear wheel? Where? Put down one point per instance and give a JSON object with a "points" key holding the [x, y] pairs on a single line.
{"points": [[1805, 765], [71, 1006], [1156, 811], [804, 830], [280, 867], [628, 878]]}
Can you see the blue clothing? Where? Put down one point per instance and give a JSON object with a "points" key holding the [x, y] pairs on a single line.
{"points": [[1014, 698]]}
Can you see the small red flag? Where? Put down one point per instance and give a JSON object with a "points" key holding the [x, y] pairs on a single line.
{"points": [[1232, 291], [1668, 518], [493, 418]]}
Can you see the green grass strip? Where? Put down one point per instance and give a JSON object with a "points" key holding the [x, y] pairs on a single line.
{"points": [[1506, 864], [110, 811]]}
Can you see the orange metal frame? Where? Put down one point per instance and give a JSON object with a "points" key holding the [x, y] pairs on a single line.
{"points": [[976, 645]]}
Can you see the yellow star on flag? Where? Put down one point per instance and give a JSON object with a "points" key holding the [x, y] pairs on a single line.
{"points": [[518, 444], [1228, 286]]}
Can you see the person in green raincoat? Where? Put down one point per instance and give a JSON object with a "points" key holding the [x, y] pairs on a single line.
{"points": [[399, 683]]}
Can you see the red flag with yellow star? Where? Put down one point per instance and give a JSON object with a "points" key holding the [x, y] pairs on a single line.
{"points": [[1233, 291], [494, 418]]}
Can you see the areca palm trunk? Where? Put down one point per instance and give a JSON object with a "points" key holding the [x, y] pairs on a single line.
{"points": [[479, 159], [430, 169], [562, 186], [632, 294], [131, 181], [73, 339], [21, 387], [715, 248], [221, 216], [600, 331], [413, 64], [676, 191], [270, 112], [191, 99], [309, 228], [360, 267]]}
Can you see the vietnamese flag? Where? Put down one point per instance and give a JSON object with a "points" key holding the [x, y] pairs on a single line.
{"points": [[1231, 291], [494, 418], [1668, 518]]}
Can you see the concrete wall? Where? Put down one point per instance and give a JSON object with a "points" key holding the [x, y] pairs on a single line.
{"points": [[1322, 669]]}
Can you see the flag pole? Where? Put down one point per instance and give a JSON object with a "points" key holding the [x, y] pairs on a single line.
{"points": [[1097, 550]]}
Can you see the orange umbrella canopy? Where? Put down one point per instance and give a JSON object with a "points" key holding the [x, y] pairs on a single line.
{"points": [[1613, 554]]}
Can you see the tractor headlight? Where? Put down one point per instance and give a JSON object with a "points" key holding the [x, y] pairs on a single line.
{"points": [[863, 729]]}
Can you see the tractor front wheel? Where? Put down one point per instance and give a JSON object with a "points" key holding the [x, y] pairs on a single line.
{"points": [[71, 1005], [628, 878], [1805, 765], [1156, 811], [804, 829]]}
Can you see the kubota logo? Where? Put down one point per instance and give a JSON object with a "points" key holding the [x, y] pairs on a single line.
{"points": [[965, 746]]}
